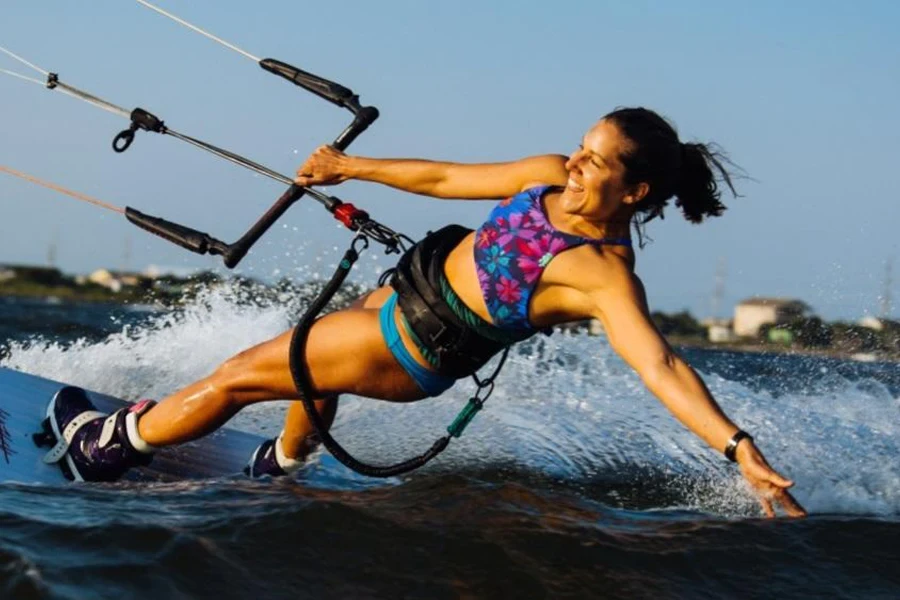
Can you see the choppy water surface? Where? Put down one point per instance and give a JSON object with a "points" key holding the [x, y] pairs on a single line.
{"points": [[574, 482]]}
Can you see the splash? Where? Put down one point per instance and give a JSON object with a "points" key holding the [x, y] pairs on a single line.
{"points": [[566, 412]]}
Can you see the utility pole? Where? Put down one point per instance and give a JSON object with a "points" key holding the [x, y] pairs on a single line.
{"points": [[719, 289], [886, 304], [126, 254], [51, 250]]}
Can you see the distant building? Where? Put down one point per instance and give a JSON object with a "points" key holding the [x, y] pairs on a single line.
{"points": [[718, 331], [115, 281], [751, 314], [574, 326], [157, 271], [877, 323], [591, 326]]}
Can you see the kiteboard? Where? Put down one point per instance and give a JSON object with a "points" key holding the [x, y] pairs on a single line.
{"points": [[23, 406]]}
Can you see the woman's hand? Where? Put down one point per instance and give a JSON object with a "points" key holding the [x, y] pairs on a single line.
{"points": [[325, 166], [768, 485]]}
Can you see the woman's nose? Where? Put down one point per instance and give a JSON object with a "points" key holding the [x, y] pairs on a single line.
{"points": [[574, 159]]}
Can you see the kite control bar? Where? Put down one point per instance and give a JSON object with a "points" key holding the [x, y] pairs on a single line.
{"points": [[143, 120], [203, 243], [338, 94]]}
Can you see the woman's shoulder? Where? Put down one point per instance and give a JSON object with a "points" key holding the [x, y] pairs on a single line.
{"points": [[546, 171], [594, 268]]}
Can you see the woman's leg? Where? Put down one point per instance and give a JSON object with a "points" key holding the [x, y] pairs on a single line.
{"points": [[345, 353], [295, 439]]}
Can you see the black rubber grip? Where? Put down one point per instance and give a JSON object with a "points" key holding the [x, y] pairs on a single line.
{"points": [[190, 239]]}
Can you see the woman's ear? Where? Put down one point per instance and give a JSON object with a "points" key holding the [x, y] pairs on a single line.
{"points": [[638, 192]]}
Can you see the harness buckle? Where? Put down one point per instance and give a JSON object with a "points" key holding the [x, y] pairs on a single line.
{"points": [[437, 338]]}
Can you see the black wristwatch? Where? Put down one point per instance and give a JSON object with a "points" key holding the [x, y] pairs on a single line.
{"points": [[732, 445]]}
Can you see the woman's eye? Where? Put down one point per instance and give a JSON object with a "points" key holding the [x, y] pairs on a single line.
{"points": [[593, 162]]}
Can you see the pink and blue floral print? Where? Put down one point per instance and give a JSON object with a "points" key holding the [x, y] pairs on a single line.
{"points": [[512, 249]]}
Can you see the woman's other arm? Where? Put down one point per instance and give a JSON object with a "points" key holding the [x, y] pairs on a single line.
{"points": [[622, 308]]}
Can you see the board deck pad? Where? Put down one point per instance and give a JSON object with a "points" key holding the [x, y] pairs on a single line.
{"points": [[23, 406]]}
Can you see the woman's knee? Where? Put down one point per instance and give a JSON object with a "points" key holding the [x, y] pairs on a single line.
{"points": [[232, 368], [238, 378]]}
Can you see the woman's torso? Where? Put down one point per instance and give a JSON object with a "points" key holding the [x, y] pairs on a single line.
{"points": [[554, 297]]}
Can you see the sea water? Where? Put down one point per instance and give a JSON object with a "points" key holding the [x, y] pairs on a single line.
{"points": [[574, 481]]}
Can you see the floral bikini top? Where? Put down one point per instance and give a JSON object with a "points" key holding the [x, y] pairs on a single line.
{"points": [[512, 249]]}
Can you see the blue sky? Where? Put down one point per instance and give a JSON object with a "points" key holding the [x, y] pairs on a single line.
{"points": [[803, 95]]}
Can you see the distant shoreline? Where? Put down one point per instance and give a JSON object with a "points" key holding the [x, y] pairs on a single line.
{"points": [[755, 348], [152, 298], [68, 294]]}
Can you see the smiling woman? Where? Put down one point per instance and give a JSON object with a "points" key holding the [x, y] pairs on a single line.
{"points": [[557, 249]]}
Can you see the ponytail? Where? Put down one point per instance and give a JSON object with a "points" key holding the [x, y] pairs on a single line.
{"points": [[697, 189], [689, 172]]}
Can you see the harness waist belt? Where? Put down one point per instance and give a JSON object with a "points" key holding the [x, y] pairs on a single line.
{"points": [[460, 350]]}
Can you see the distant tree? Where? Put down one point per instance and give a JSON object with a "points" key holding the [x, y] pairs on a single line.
{"points": [[678, 324], [811, 332], [854, 338], [204, 277], [42, 275], [889, 337]]}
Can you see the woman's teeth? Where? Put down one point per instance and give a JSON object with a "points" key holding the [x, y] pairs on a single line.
{"points": [[575, 187]]}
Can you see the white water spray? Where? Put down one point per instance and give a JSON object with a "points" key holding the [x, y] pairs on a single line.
{"points": [[565, 408]]}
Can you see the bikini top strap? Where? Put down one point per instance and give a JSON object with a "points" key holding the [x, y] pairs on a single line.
{"points": [[613, 242]]}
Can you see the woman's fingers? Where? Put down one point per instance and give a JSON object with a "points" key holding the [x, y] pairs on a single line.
{"points": [[323, 167], [790, 505], [770, 486], [305, 174], [772, 490], [778, 480]]}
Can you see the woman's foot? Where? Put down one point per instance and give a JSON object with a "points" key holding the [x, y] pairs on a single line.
{"points": [[90, 445], [270, 459]]}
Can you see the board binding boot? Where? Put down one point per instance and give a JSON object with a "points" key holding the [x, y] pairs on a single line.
{"points": [[269, 459], [89, 445]]}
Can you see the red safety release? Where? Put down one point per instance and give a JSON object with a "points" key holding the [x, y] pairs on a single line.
{"points": [[348, 214]]}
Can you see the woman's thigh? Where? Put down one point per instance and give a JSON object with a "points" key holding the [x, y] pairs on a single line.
{"points": [[344, 353], [374, 299]]}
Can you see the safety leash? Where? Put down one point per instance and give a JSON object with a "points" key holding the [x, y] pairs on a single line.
{"points": [[393, 242]]}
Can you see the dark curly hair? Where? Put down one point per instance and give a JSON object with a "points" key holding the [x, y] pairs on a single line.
{"points": [[689, 172]]}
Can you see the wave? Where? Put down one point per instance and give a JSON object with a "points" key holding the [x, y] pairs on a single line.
{"points": [[439, 535]]}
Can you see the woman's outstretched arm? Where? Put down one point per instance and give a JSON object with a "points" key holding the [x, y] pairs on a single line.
{"points": [[622, 308], [327, 166]]}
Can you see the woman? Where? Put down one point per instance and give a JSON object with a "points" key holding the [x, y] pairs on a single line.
{"points": [[557, 249]]}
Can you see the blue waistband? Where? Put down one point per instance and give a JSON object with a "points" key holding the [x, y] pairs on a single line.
{"points": [[433, 384]]}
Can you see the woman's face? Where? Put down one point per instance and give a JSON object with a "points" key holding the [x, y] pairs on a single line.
{"points": [[596, 188]]}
